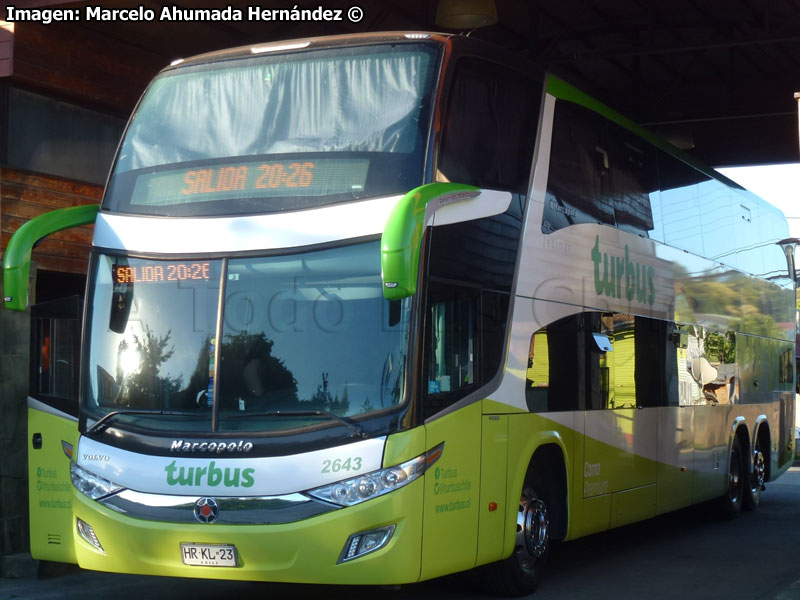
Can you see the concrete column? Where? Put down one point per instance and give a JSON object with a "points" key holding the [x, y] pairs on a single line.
{"points": [[797, 97], [14, 353]]}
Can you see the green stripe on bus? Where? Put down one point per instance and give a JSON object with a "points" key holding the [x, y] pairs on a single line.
{"points": [[565, 91]]}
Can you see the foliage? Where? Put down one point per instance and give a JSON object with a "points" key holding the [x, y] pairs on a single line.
{"points": [[250, 371], [323, 400], [147, 388], [757, 305]]}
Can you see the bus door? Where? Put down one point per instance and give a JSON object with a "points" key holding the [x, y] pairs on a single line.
{"points": [[53, 425], [621, 420], [451, 372]]}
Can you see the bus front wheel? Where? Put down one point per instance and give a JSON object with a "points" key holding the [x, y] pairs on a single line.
{"points": [[521, 573]]}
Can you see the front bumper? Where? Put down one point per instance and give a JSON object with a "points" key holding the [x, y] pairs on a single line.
{"points": [[304, 551]]}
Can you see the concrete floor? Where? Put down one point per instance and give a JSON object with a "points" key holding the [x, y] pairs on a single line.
{"points": [[689, 555]]}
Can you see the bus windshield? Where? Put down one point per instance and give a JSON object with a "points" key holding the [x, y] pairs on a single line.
{"points": [[270, 133], [299, 333]]}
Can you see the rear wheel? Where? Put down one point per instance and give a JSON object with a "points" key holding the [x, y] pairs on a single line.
{"points": [[521, 573], [757, 478], [731, 501]]}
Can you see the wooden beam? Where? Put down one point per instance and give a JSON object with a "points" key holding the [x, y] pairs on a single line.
{"points": [[6, 49], [24, 196], [76, 63]]}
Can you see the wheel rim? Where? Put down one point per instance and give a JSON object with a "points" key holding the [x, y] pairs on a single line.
{"points": [[533, 530], [735, 478], [759, 470]]}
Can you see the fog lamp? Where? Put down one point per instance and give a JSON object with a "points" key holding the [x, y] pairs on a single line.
{"points": [[87, 533], [365, 542]]}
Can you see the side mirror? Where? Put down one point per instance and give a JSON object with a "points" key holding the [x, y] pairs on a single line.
{"points": [[428, 205], [17, 259]]}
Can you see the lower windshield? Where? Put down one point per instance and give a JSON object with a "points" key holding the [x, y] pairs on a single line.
{"points": [[301, 332]]}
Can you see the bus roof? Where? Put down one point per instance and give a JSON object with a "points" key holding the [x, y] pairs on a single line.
{"points": [[311, 43]]}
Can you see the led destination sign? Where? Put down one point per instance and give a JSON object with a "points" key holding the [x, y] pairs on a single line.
{"points": [[321, 177], [227, 179], [158, 272]]}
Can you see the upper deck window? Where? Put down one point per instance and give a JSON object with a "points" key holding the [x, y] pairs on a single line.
{"points": [[490, 127], [274, 133]]}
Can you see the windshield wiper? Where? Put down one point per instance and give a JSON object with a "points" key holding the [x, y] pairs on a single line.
{"points": [[106, 419], [354, 427]]}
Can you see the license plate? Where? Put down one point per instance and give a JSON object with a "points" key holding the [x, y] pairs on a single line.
{"points": [[209, 555]]}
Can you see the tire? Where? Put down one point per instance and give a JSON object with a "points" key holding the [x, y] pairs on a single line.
{"points": [[756, 479], [730, 503], [521, 573]]}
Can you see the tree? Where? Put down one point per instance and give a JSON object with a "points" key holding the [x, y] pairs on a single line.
{"points": [[338, 406], [324, 400], [250, 371], [147, 388], [321, 399]]}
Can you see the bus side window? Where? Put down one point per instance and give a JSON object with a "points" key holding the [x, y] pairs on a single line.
{"points": [[55, 352], [680, 204], [579, 182], [785, 365], [453, 341], [633, 180], [632, 373], [708, 365], [555, 366], [464, 342], [470, 269], [490, 127]]}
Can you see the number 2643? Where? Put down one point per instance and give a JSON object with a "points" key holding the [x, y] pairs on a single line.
{"points": [[338, 464]]}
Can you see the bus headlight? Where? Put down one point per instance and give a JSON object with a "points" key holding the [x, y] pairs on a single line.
{"points": [[90, 484], [371, 485]]}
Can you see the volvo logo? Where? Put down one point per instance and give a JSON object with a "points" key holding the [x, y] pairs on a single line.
{"points": [[206, 510]]}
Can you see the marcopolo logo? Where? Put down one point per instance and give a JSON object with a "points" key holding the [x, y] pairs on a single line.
{"points": [[623, 278], [210, 476], [210, 447]]}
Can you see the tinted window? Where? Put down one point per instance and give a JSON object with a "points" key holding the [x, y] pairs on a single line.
{"points": [[707, 365], [554, 366], [489, 128], [599, 173], [471, 271], [579, 181], [679, 204], [277, 132], [55, 352], [602, 173], [633, 180], [622, 361]]}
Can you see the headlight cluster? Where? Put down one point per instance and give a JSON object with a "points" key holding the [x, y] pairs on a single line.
{"points": [[371, 485], [90, 484]]}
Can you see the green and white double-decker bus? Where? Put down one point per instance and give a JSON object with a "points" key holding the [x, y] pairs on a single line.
{"points": [[373, 309]]}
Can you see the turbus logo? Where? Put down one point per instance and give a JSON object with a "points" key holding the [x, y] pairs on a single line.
{"points": [[211, 476], [623, 278]]}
